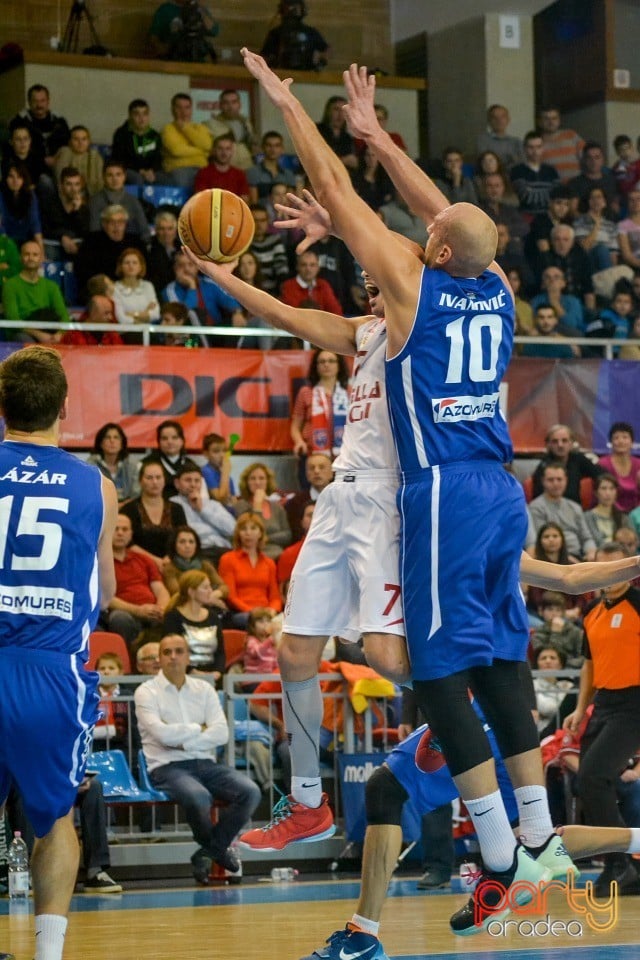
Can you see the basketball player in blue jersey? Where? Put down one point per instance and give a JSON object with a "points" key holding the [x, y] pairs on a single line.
{"points": [[450, 322], [57, 516]]}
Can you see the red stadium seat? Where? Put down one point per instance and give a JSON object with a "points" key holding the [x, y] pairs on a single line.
{"points": [[234, 641], [103, 642]]}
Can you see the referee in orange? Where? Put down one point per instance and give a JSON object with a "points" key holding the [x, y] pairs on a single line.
{"points": [[610, 677]]}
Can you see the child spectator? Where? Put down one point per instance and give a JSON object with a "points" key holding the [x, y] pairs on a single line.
{"points": [[110, 731], [260, 653], [172, 316], [217, 470], [626, 169], [557, 631], [618, 316], [551, 692]]}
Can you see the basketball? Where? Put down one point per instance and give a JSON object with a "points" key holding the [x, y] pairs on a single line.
{"points": [[429, 755], [216, 225]]}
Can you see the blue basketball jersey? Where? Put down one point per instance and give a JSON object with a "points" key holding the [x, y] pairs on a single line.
{"points": [[51, 514], [443, 385], [428, 791]]}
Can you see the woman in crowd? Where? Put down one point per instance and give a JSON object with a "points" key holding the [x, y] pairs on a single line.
{"points": [[19, 149], [333, 128], [487, 163], [551, 692], [185, 553], [550, 545], [170, 453], [320, 409], [153, 518], [371, 181], [19, 210], [191, 614], [86, 159], [248, 269], [248, 572], [134, 297], [596, 233], [605, 518], [257, 483], [624, 467], [629, 232], [110, 454], [525, 326]]}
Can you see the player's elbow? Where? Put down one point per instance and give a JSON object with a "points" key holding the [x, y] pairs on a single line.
{"points": [[329, 188]]}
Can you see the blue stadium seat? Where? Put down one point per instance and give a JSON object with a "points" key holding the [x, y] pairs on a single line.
{"points": [[116, 778], [62, 273], [165, 196], [54, 270], [157, 796]]}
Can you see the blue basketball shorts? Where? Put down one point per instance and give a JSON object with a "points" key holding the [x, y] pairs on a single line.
{"points": [[48, 707], [463, 531]]}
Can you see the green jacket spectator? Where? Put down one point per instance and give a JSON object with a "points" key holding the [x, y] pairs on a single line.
{"points": [[30, 296], [9, 258]]}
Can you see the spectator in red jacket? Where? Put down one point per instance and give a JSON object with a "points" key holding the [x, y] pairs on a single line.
{"points": [[220, 173], [307, 289]]}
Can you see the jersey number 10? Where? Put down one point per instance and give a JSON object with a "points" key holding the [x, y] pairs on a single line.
{"points": [[481, 368]]}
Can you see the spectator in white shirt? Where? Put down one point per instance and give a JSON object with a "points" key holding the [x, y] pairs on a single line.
{"points": [[181, 725]]}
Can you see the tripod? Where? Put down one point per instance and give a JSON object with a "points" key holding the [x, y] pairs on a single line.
{"points": [[77, 14]]}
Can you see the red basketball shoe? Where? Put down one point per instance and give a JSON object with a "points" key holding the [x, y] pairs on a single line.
{"points": [[292, 823]]}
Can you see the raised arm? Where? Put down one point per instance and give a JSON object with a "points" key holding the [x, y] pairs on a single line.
{"points": [[396, 270], [417, 190], [326, 330]]}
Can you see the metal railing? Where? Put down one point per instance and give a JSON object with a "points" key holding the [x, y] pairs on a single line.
{"points": [[150, 332]]}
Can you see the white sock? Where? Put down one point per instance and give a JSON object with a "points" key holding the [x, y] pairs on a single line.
{"points": [[367, 926], [634, 846], [307, 790], [533, 811], [492, 826], [50, 933]]}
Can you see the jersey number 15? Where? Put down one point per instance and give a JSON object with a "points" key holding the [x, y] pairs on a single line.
{"points": [[29, 525]]}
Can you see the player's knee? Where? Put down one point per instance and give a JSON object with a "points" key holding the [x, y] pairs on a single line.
{"points": [[384, 798], [387, 654], [299, 657]]}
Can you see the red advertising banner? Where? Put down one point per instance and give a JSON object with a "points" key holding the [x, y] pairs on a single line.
{"points": [[251, 393], [247, 392]]}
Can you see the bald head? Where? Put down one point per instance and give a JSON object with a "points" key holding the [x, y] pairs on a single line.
{"points": [[462, 241]]}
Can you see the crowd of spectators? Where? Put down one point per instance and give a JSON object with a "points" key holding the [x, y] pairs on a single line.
{"points": [[197, 550], [568, 225]]}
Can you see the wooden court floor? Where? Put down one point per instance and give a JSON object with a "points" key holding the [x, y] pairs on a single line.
{"points": [[264, 921]]}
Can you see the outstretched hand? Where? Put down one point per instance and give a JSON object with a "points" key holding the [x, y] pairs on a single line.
{"points": [[360, 111], [276, 89], [215, 271], [305, 213]]}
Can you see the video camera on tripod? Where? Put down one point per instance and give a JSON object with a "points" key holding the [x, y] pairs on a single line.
{"points": [[192, 43]]}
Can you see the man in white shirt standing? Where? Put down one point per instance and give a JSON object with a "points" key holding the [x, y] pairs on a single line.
{"points": [[181, 726]]}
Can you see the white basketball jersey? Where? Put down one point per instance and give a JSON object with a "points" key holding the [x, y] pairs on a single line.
{"points": [[368, 444]]}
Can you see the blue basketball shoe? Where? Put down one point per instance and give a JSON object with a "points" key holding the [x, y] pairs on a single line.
{"points": [[349, 945]]}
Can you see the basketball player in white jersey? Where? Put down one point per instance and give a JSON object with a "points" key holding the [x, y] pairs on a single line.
{"points": [[345, 581]]}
